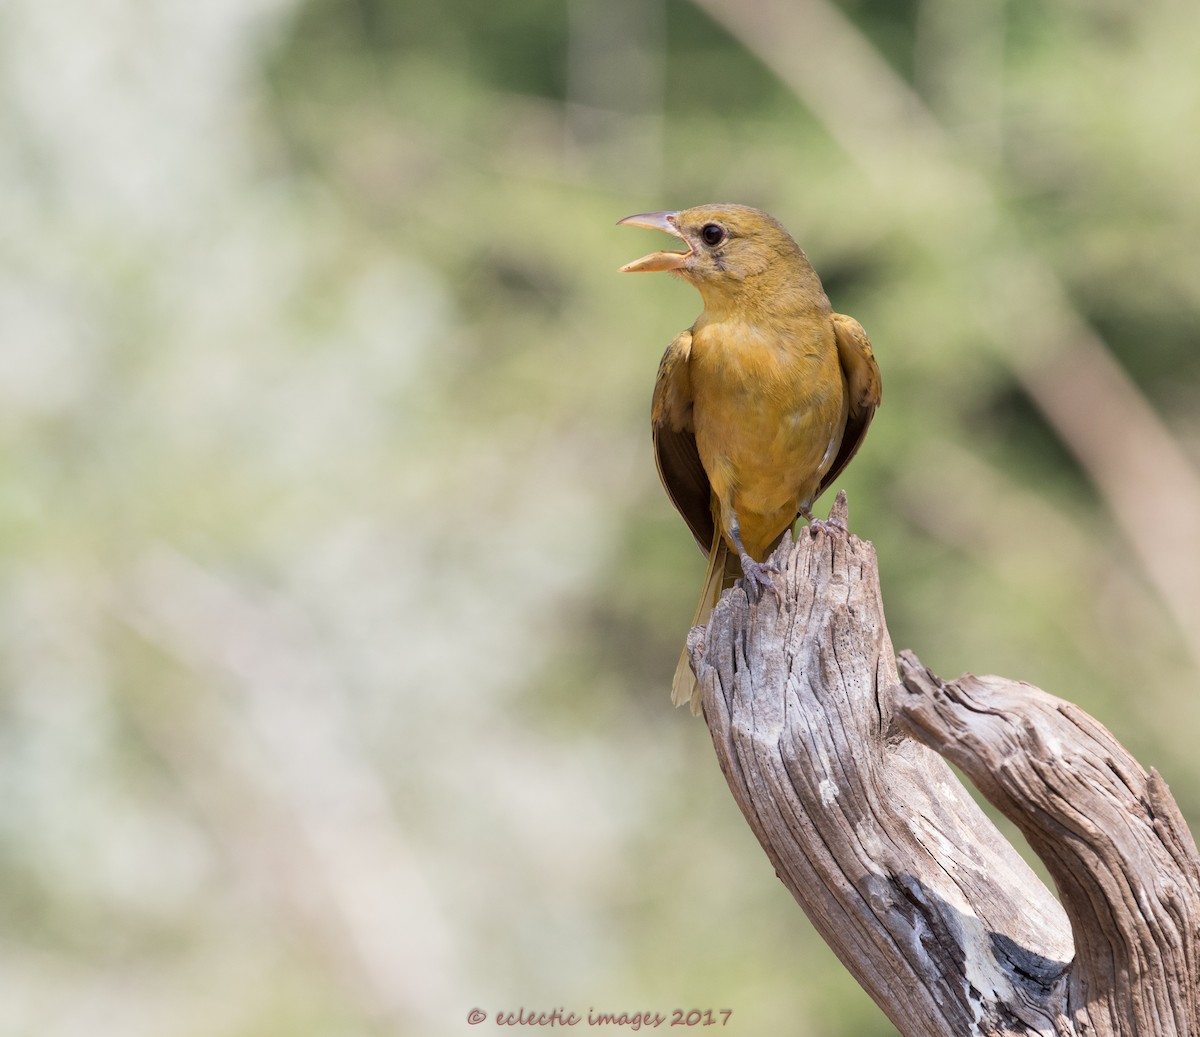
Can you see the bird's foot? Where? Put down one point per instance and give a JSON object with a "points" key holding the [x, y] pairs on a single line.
{"points": [[827, 525], [758, 575]]}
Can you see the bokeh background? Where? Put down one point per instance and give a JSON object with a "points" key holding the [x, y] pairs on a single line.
{"points": [[339, 599]]}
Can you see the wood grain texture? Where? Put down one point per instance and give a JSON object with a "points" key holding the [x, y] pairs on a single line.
{"points": [[828, 753]]}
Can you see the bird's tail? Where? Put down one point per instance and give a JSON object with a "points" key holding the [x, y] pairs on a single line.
{"points": [[723, 569]]}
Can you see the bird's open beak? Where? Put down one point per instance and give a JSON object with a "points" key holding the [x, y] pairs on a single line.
{"points": [[655, 260]]}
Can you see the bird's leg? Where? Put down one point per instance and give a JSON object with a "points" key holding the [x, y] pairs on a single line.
{"points": [[758, 574], [826, 525]]}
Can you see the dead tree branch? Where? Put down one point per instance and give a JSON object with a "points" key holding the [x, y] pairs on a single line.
{"points": [[829, 751]]}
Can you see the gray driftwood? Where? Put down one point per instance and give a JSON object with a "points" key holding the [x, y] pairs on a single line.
{"points": [[829, 750]]}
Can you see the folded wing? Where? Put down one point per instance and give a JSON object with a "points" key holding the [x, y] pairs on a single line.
{"points": [[864, 389]]}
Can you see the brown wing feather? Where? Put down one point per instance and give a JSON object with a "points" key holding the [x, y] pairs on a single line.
{"points": [[675, 453], [864, 389]]}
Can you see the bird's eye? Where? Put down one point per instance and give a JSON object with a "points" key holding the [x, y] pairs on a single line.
{"points": [[712, 234]]}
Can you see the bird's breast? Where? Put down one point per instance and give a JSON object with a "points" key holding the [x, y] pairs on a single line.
{"points": [[773, 379], [769, 411]]}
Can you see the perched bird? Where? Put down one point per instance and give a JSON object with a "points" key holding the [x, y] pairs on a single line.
{"points": [[759, 405]]}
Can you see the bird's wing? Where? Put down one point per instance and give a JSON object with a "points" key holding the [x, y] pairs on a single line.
{"points": [[863, 389], [675, 453]]}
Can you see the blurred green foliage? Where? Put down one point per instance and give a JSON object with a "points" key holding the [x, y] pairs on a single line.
{"points": [[340, 598]]}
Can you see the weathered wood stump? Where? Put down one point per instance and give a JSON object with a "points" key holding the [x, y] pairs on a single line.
{"points": [[829, 750]]}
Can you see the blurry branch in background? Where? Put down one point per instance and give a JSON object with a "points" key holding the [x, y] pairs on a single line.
{"points": [[959, 66], [1063, 365], [830, 748], [275, 768], [982, 510]]}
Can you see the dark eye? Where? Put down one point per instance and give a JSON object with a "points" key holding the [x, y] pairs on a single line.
{"points": [[712, 234]]}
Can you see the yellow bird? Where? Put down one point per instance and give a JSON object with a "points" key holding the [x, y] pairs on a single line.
{"points": [[760, 404]]}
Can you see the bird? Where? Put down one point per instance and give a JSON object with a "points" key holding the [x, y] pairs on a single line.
{"points": [[760, 404]]}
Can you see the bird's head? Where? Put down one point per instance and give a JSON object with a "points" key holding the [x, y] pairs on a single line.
{"points": [[732, 251]]}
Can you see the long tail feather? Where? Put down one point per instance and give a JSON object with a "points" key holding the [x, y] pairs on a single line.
{"points": [[684, 687]]}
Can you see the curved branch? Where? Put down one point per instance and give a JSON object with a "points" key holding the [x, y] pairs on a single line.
{"points": [[1110, 835], [918, 894]]}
